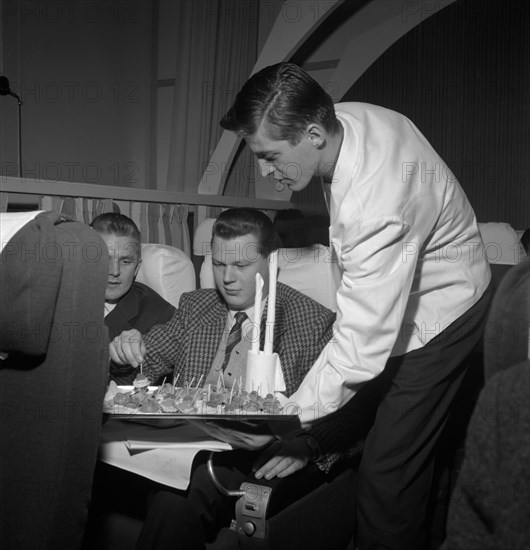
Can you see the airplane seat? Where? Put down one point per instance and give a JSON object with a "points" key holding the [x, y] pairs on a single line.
{"points": [[167, 270], [53, 373]]}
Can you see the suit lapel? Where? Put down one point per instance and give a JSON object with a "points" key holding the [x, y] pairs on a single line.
{"points": [[279, 322], [204, 340], [127, 309]]}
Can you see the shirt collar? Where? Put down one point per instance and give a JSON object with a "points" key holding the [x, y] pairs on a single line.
{"points": [[249, 311]]}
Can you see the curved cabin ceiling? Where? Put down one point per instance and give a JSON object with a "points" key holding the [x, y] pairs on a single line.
{"points": [[335, 41]]}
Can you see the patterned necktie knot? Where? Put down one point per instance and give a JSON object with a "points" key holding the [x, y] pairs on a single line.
{"points": [[240, 319], [234, 337]]}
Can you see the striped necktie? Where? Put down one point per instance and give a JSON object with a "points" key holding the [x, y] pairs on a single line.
{"points": [[234, 337]]}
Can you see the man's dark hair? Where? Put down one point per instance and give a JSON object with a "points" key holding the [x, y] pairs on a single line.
{"points": [[238, 222], [289, 225], [117, 224], [286, 99]]}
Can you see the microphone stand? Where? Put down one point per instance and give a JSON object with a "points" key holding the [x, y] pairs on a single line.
{"points": [[5, 90], [19, 134]]}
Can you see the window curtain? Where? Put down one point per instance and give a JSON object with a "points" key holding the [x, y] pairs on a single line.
{"points": [[217, 48], [158, 223]]}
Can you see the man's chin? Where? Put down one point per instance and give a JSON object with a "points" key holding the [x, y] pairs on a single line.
{"points": [[234, 304], [114, 296], [295, 185]]}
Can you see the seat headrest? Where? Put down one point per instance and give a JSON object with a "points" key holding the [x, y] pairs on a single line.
{"points": [[11, 222], [203, 237], [507, 333], [501, 242], [311, 270], [167, 270]]}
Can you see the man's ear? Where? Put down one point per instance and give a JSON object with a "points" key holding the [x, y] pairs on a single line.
{"points": [[316, 134], [137, 267]]}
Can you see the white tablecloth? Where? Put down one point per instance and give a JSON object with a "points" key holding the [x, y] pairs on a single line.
{"points": [[163, 455]]}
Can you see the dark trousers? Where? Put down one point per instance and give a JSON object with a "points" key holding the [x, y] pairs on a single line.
{"points": [[396, 470], [188, 519]]}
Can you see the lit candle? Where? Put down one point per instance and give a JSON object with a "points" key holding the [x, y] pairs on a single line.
{"points": [[257, 313], [271, 305]]}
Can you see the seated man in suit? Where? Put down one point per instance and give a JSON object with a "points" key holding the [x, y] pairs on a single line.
{"points": [[128, 304], [196, 343], [192, 343], [490, 504]]}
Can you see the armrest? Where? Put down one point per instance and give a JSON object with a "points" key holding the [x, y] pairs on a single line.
{"points": [[291, 512], [263, 499], [259, 500], [307, 510]]}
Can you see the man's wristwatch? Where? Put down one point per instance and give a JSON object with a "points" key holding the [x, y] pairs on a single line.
{"points": [[313, 445]]}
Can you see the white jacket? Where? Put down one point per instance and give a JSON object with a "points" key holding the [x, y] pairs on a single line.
{"points": [[409, 247]]}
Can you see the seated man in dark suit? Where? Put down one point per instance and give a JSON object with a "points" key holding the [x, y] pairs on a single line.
{"points": [[128, 304], [194, 343], [490, 504]]}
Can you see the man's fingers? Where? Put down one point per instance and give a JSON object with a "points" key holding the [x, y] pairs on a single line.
{"points": [[265, 469], [113, 353], [141, 355], [289, 457], [281, 466], [128, 348], [291, 468], [116, 352], [267, 455]]}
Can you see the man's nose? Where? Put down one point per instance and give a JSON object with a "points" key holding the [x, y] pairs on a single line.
{"points": [[265, 167], [114, 267], [229, 275]]}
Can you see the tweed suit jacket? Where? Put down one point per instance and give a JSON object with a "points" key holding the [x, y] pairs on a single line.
{"points": [[188, 342]]}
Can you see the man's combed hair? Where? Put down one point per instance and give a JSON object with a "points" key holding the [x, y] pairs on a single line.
{"points": [[238, 222], [117, 224], [286, 99]]}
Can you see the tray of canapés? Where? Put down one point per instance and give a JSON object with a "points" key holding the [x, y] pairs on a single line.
{"points": [[169, 400]]}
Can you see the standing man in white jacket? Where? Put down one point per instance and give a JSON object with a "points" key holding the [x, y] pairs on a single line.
{"points": [[413, 297]]}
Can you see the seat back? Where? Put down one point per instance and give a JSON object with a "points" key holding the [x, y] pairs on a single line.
{"points": [[52, 380], [302, 511], [502, 244], [507, 337], [313, 271], [167, 270], [202, 253], [503, 249]]}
